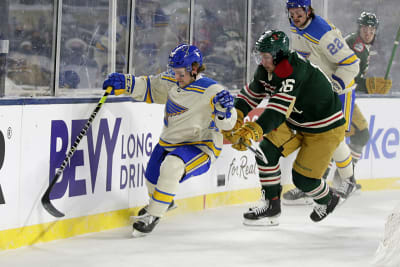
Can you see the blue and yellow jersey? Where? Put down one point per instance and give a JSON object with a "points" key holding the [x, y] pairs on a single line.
{"points": [[322, 43], [189, 117]]}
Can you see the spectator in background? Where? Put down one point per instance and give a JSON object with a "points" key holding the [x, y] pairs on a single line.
{"points": [[360, 42], [77, 69], [29, 61], [151, 23]]}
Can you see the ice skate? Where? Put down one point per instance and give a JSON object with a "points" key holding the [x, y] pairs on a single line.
{"points": [[144, 224], [347, 188], [296, 197], [171, 206], [322, 210], [266, 214]]}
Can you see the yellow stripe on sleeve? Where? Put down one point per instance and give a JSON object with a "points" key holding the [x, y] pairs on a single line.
{"points": [[349, 61]]}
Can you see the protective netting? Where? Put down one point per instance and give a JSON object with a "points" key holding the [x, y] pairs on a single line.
{"points": [[388, 252]]}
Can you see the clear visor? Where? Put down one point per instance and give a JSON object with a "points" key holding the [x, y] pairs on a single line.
{"points": [[176, 71], [170, 70], [257, 57]]}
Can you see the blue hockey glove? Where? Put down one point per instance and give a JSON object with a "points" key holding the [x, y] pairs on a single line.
{"points": [[223, 103], [121, 83]]}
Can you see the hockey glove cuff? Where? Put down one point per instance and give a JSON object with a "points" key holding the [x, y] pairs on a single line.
{"points": [[228, 135], [223, 103], [121, 83], [241, 137]]}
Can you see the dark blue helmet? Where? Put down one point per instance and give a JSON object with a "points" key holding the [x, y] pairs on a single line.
{"points": [[183, 56], [298, 3]]}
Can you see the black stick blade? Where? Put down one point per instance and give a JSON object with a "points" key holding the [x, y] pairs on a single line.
{"points": [[49, 207]]}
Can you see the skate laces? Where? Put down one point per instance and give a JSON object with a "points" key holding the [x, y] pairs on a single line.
{"points": [[262, 209], [146, 218], [261, 202], [320, 209], [295, 191]]}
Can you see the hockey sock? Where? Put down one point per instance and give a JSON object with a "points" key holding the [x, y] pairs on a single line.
{"points": [[314, 188]]}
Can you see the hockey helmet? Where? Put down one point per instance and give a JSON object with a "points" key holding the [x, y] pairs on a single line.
{"points": [[298, 3], [368, 19], [183, 56], [274, 42]]}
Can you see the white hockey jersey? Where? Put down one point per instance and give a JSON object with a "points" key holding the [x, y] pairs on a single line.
{"points": [[324, 46], [188, 113]]}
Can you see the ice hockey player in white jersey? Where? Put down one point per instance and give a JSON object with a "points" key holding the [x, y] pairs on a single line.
{"points": [[197, 108], [322, 43]]}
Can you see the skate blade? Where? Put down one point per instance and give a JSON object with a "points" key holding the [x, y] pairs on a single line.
{"points": [[137, 234], [342, 199], [270, 221], [298, 202]]}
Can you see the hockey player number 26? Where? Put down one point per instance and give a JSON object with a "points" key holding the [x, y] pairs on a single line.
{"points": [[287, 86], [335, 46]]}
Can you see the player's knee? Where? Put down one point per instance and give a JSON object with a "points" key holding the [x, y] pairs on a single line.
{"points": [[172, 167], [304, 183], [272, 152], [360, 138]]}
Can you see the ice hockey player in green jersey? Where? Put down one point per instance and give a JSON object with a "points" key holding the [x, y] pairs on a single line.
{"points": [[360, 42], [303, 112]]}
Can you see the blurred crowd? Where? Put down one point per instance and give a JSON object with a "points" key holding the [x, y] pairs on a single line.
{"points": [[219, 30]]}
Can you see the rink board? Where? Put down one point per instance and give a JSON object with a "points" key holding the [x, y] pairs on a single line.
{"points": [[104, 182]]}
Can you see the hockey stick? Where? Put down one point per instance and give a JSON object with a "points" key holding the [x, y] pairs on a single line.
{"points": [[257, 152], [396, 43], [46, 197]]}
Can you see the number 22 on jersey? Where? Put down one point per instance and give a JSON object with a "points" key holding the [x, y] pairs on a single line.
{"points": [[335, 46]]}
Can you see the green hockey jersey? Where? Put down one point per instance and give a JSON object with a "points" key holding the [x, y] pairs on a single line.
{"points": [[362, 51], [300, 94]]}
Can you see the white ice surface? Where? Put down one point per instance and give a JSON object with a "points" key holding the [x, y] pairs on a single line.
{"points": [[216, 237]]}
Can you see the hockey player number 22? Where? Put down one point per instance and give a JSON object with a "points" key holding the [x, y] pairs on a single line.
{"points": [[335, 46]]}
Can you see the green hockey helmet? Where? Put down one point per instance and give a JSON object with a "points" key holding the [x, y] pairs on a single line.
{"points": [[274, 42], [368, 19]]}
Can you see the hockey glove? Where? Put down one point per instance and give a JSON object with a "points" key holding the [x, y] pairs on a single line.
{"points": [[239, 122], [223, 103], [121, 83], [250, 130], [339, 87], [378, 85]]}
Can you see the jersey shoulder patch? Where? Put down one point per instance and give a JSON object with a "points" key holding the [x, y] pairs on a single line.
{"points": [[204, 82], [318, 28], [284, 69], [358, 46]]}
